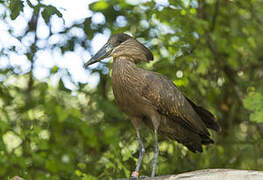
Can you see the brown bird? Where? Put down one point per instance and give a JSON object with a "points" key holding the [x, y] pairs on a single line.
{"points": [[151, 98]]}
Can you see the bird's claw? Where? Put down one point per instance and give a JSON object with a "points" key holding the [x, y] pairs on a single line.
{"points": [[134, 175]]}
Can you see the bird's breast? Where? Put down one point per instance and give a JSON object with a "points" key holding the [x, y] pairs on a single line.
{"points": [[127, 85]]}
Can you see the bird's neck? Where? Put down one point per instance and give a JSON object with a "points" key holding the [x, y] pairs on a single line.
{"points": [[124, 64], [127, 81], [125, 69]]}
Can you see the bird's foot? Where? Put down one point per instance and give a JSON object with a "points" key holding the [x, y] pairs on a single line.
{"points": [[135, 176]]}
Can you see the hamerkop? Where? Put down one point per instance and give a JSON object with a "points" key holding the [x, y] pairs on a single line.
{"points": [[151, 98]]}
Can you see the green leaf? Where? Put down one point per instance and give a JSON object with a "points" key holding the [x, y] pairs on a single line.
{"points": [[254, 103], [87, 28], [30, 4], [181, 82], [98, 6], [54, 70], [16, 6], [257, 116], [52, 166], [49, 11], [62, 87]]}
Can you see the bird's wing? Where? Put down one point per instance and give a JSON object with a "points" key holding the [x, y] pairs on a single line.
{"points": [[169, 101]]}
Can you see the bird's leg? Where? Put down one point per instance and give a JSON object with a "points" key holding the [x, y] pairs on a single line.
{"points": [[156, 152], [142, 150]]}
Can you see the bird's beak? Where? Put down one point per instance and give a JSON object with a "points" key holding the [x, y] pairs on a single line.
{"points": [[104, 52]]}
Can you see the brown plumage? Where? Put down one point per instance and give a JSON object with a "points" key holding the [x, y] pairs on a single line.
{"points": [[151, 98]]}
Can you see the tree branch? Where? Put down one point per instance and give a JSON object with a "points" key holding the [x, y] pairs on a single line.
{"points": [[32, 27], [215, 16], [209, 174]]}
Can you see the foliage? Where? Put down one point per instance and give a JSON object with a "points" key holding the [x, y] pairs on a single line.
{"points": [[49, 11], [15, 7], [212, 50], [254, 102]]}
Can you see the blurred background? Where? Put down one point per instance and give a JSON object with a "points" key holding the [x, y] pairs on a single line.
{"points": [[59, 121]]}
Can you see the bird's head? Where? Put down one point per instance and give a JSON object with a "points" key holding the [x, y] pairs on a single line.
{"points": [[122, 45]]}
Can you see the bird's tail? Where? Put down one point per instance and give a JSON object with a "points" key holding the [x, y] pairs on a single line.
{"points": [[173, 129], [207, 117]]}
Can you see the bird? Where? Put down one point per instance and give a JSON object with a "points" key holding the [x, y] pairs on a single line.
{"points": [[152, 99]]}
